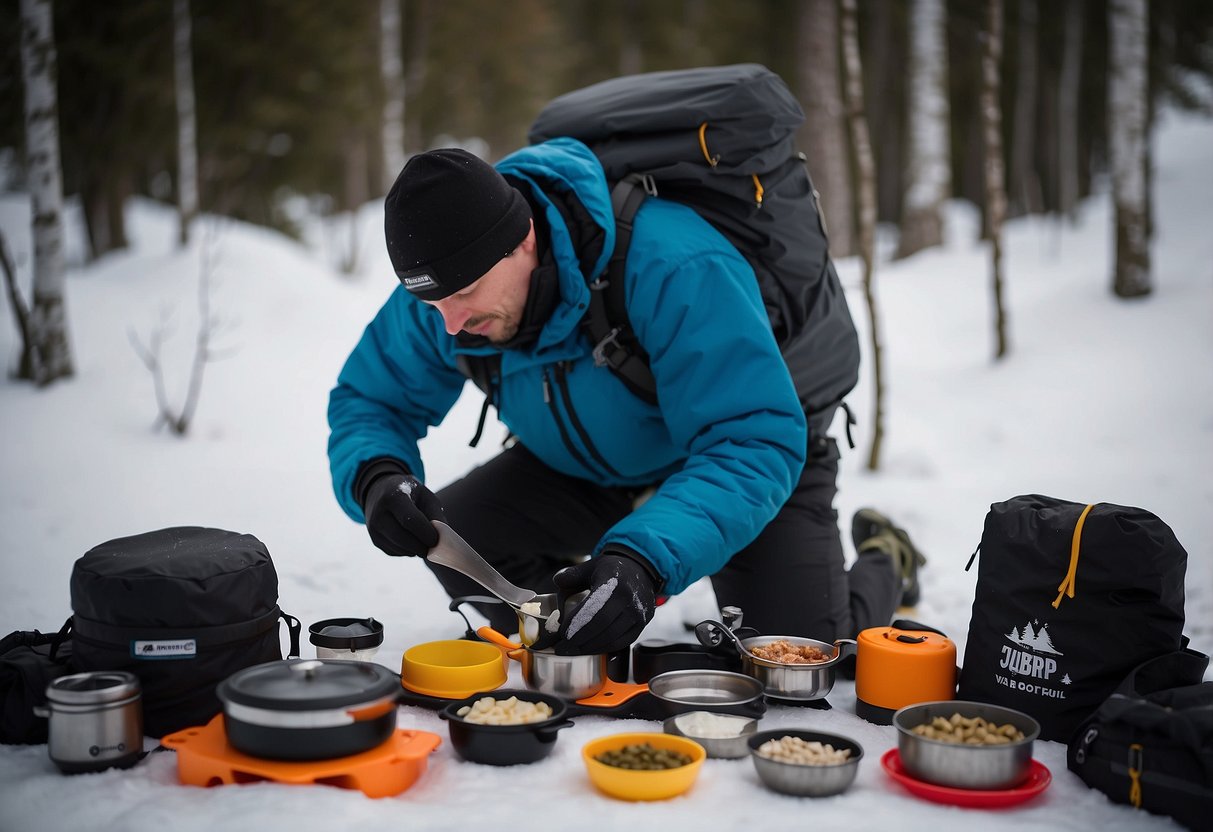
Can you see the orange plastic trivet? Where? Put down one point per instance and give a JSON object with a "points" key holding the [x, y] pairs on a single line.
{"points": [[204, 758]]}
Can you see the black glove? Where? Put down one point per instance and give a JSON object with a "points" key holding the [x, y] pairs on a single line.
{"points": [[620, 603], [398, 511]]}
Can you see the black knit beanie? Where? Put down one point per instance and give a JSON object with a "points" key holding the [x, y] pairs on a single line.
{"points": [[448, 219]]}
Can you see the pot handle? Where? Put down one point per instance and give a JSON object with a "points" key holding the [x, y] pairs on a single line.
{"points": [[843, 647], [376, 710], [493, 637], [548, 733], [457, 603]]}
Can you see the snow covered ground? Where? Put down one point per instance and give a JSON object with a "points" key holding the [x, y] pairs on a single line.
{"points": [[1099, 400]]}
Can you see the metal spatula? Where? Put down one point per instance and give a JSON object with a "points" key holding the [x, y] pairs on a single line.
{"points": [[453, 551]]}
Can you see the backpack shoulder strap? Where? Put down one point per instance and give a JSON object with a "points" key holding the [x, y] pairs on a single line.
{"points": [[481, 369], [606, 322]]}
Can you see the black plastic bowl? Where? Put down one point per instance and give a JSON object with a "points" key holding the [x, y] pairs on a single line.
{"points": [[505, 745]]}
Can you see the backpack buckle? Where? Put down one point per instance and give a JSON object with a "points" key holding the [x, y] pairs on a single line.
{"points": [[610, 342]]}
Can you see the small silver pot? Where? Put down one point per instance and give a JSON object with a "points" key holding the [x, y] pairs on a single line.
{"points": [[569, 677], [95, 721], [799, 682]]}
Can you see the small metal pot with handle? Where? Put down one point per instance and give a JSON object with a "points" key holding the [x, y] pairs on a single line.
{"points": [[799, 682], [569, 677]]}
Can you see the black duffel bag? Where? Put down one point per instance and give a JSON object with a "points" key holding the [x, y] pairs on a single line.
{"points": [[1070, 598], [182, 608], [1150, 745], [29, 661]]}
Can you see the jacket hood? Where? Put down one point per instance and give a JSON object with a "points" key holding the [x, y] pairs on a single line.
{"points": [[561, 172]]}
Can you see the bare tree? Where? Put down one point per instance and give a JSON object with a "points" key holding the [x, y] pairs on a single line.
{"points": [[995, 177], [209, 325], [1025, 184], [825, 130], [865, 166], [48, 316], [1128, 136], [30, 361], [1067, 105], [391, 70], [929, 168], [187, 130]]}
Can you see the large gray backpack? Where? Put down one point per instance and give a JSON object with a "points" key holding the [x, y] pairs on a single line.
{"points": [[720, 140]]}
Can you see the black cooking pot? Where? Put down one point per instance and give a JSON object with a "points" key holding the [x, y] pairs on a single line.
{"points": [[309, 709], [506, 745]]}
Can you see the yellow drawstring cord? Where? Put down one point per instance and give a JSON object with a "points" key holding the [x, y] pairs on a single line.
{"points": [[1135, 760], [703, 145], [1067, 585], [714, 160]]}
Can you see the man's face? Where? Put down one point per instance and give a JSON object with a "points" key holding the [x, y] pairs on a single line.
{"points": [[492, 305]]}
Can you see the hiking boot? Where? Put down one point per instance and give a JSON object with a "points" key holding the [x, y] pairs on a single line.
{"points": [[871, 531]]}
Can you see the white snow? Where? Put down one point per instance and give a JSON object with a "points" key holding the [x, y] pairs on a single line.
{"points": [[1099, 400]]}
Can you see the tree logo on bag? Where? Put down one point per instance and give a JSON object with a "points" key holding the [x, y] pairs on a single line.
{"points": [[1030, 661]]}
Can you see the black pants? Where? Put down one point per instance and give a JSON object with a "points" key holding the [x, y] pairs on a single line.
{"points": [[530, 521]]}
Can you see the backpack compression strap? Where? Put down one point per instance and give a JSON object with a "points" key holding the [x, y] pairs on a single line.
{"points": [[606, 322]]}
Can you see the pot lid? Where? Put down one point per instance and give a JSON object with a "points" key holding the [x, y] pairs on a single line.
{"points": [[346, 633], [916, 641], [309, 684], [98, 687]]}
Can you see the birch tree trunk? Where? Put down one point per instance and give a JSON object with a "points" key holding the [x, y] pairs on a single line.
{"points": [[1024, 182], [995, 177], [824, 129], [1128, 145], [187, 130], [48, 314], [391, 70], [865, 167], [929, 174], [1067, 120]]}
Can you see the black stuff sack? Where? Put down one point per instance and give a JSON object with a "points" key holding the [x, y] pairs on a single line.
{"points": [[1150, 744], [1069, 599], [182, 608], [29, 661]]}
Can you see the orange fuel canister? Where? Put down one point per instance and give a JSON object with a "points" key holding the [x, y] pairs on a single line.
{"points": [[895, 668]]}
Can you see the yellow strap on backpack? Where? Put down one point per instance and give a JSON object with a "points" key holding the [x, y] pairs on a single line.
{"points": [[1067, 585]]}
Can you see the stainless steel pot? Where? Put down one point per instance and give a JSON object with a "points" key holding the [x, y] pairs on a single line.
{"points": [[800, 682], [309, 709], [569, 677], [95, 721]]}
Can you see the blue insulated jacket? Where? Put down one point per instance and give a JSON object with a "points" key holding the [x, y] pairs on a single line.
{"points": [[727, 438]]}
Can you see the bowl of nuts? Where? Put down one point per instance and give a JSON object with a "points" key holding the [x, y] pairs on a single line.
{"points": [[805, 763], [965, 745], [506, 728], [643, 766]]}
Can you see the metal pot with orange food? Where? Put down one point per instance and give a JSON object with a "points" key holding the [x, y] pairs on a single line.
{"points": [[789, 667]]}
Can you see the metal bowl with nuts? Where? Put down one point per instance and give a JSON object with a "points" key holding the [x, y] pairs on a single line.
{"points": [[805, 763], [965, 745]]}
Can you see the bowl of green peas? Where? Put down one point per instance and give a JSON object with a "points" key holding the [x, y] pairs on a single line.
{"points": [[643, 766]]}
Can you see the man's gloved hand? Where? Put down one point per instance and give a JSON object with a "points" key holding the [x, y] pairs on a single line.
{"points": [[620, 603], [398, 511]]}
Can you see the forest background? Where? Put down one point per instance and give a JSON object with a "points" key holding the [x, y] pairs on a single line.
{"points": [[292, 102]]}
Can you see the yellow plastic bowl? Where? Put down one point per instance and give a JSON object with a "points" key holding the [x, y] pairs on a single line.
{"points": [[452, 669], [629, 784]]}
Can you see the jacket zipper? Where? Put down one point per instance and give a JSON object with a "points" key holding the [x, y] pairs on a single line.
{"points": [[562, 383], [564, 434]]}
